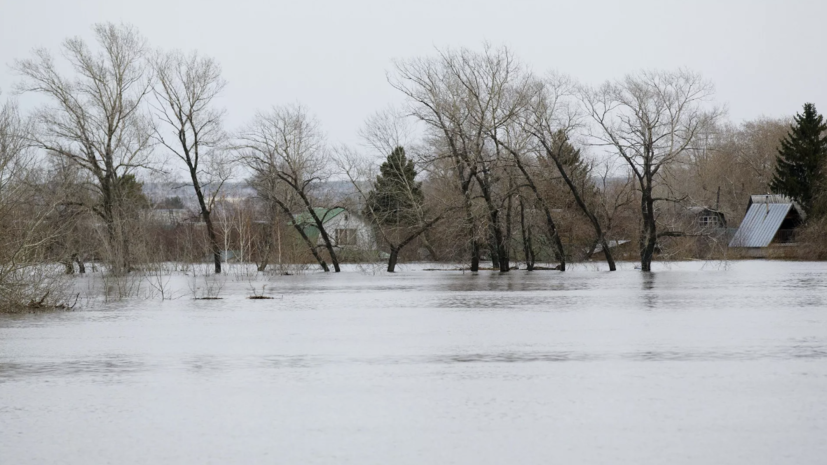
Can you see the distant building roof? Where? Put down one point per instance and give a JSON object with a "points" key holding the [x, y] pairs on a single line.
{"points": [[764, 217], [324, 214], [612, 244], [305, 219], [698, 210], [769, 198]]}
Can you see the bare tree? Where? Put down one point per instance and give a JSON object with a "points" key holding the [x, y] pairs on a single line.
{"points": [[185, 90], [69, 189], [285, 149], [464, 97], [27, 282], [614, 195], [649, 120], [541, 117], [94, 118], [550, 121]]}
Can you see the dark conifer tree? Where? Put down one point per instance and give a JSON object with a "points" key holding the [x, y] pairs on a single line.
{"points": [[801, 159], [396, 195]]}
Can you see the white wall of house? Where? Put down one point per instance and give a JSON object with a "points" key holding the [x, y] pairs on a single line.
{"points": [[350, 231]]}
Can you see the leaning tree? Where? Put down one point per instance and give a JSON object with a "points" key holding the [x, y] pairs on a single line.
{"points": [[285, 150]]}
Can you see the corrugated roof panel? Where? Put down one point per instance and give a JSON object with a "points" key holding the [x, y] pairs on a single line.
{"points": [[760, 224]]}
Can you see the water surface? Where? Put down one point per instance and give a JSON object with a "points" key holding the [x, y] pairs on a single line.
{"points": [[694, 363]]}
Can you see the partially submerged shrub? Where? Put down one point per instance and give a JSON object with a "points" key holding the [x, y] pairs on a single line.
{"points": [[33, 288]]}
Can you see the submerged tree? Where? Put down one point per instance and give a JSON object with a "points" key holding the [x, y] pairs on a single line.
{"points": [[550, 120], [395, 204], [463, 97], [27, 280], [286, 151], [801, 159], [185, 90], [95, 118], [649, 120]]}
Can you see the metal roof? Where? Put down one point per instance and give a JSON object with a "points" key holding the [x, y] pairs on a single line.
{"points": [[761, 224], [769, 198], [776, 198]]}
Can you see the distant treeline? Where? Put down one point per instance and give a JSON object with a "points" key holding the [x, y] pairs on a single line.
{"points": [[487, 163]]}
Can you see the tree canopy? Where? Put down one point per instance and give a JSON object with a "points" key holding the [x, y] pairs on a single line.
{"points": [[396, 195], [801, 158]]}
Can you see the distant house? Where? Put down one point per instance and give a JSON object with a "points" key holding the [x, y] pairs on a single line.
{"points": [[170, 217], [707, 219], [612, 244], [622, 249], [770, 220], [346, 230]]}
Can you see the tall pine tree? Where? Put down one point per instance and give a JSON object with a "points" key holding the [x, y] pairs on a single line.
{"points": [[802, 158], [396, 195]]}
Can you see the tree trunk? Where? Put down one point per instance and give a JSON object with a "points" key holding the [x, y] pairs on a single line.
{"points": [[528, 249], [216, 248], [427, 243], [107, 214], [127, 262], [263, 262], [264, 258], [322, 231], [469, 220], [312, 247], [493, 250], [586, 210], [499, 241], [608, 254], [206, 215], [300, 230], [506, 246], [648, 237], [396, 248], [552, 228], [555, 238], [392, 259]]}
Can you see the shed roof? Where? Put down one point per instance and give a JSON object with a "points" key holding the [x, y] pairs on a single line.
{"points": [[760, 224], [769, 198], [764, 217]]}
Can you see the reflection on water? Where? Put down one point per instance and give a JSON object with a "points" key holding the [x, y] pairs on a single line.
{"points": [[649, 297], [648, 279], [106, 365], [211, 365], [687, 364], [513, 357]]}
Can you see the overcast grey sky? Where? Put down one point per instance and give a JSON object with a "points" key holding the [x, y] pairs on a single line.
{"points": [[765, 57]]}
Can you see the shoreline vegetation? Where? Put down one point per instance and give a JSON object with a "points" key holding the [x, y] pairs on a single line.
{"points": [[127, 171], [195, 281]]}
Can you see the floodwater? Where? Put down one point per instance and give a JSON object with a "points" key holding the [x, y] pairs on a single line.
{"points": [[694, 363]]}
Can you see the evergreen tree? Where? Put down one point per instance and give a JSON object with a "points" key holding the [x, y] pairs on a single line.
{"points": [[396, 195], [801, 158]]}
